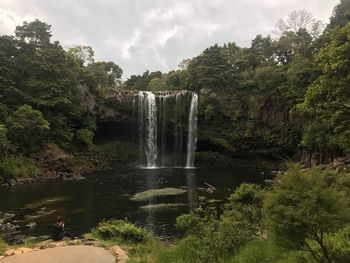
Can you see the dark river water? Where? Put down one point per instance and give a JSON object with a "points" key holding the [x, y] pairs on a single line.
{"points": [[107, 195]]}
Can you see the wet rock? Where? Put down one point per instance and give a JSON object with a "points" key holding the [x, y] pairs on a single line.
{"points": [[43, 238], [159, 207], [31, 225], [30, 239], [269, 182], [8, 216], [154, 193], [15, 239]]}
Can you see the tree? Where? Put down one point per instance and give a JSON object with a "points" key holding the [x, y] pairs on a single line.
{"points": [[328, 97], [35, 32], [340, 16], [303, 207], [83, 54], [262, 48], [300, 19], [212, 70], [27, 128], [104, 75]]}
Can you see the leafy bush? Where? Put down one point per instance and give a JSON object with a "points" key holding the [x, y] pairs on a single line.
{"points": [[11, 168], [5, 145], [120, 229], [84, 137], [338, 245], [27, 128], [248, 200], [264, 251], [304, 206]]}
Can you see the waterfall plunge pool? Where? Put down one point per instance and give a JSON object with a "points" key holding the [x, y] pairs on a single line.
{"points": [[109, 194]]}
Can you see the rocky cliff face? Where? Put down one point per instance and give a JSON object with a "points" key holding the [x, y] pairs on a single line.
{"points": [[245, 125], [233, 125]]}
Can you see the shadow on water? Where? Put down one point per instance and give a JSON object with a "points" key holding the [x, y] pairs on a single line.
{"points": [[108, 194]]}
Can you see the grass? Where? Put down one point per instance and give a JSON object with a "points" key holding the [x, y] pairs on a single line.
{"points": [[15, 167], [121, 230], [261, 251], [3, 246]]}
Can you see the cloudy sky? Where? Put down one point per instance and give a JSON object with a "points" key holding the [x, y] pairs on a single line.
{"points": [[154, 34]]}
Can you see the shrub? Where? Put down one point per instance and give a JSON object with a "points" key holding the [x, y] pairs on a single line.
{"points": [[304, 206], [27, 128], [121, 229], [5, 145], [84, 137], [265, 251], [11, 168], [248, 200]]}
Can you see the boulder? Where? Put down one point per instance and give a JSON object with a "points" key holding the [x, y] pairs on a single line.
{"points": [[120, 254], [9, 252]]}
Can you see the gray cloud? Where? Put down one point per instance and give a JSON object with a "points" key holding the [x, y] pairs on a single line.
{"points": [[155, 34]]}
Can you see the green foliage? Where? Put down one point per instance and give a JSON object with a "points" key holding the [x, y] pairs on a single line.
{"points": [[327, 98], [210, 238], [84, 137], [338, 245], [265, 251], [5, 145], [3, 246], [14, 167], [305, 206], [121, 230], [341, 15], [247, 200], [306, 215], [27, 128], [82, 54]]}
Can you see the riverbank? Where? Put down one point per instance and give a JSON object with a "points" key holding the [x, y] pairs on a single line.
{"points": [[55, 163]]}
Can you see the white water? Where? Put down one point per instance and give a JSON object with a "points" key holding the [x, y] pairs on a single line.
{"points": [[148, 110], [160, 133], [192, 131]]}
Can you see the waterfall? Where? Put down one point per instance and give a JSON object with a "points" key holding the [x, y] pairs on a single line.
{"points": [[178, 130], [148, 111], [192, 131], [162, 118], [163, 128]]}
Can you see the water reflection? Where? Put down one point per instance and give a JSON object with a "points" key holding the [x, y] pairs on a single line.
{"points": [[108, 194], [191, 192]]}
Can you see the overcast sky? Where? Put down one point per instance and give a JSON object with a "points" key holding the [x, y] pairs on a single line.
{"points": [[154, 34]]}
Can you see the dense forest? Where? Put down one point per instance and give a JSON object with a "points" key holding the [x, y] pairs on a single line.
{"points": [[285, 97], [281, 97]]}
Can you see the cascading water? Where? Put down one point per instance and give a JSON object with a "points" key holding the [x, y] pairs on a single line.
{"points": [[178, 130], [148, 114], [192, 131], [162, 120]]}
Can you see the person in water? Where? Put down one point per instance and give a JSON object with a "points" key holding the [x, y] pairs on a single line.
{"points": [[58, 231]]}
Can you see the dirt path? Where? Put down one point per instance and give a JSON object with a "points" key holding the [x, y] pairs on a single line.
{"points": [[64, 254]]}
